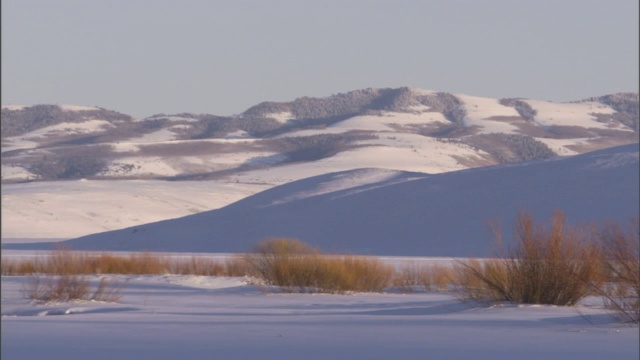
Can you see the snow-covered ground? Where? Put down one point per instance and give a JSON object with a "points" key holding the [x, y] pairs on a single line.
{"points": [[189, 317]]}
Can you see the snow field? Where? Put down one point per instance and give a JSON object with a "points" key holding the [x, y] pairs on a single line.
{"points": [[480, 110], [382, 123]]}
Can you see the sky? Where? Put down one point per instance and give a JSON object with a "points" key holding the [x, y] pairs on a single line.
{"points": [[144, 57]]}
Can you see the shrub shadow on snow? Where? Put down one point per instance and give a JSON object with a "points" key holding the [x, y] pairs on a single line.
{"points": [[423, 309]]}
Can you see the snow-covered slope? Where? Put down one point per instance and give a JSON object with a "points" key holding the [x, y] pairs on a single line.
{"points": [[66, 209], [373, 211]]}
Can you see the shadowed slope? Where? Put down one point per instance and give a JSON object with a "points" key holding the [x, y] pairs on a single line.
{"points": [[371, 211]]}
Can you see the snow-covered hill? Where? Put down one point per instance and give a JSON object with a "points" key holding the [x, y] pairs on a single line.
{"points": [[386, 212], [401, 129]]}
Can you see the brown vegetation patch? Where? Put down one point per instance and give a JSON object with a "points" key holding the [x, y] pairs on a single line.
{"points": [[66, 262]]}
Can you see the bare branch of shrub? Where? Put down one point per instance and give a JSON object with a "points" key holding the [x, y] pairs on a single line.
{"points": [[68, 287], [621, 255], [414, 277]]}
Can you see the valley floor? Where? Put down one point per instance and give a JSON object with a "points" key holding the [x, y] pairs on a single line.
{"points": [[190, 317]]}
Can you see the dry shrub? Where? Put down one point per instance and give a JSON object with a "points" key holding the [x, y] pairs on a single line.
{"points": [[366, 274], [296, 267], [416, 277], [482, 280], [269, 255], [621, 255], [107, 290], [555, 265], [149, 264], [68, 287], [63, 262]]}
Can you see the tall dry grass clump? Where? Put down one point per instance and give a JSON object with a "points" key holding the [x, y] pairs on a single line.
{"points": [[270, 258], [432, 277], [297, 267], [70, 262], [205, 266], [556, 265], [621, 257]]}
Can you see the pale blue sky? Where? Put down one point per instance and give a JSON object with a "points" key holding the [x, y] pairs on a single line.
{"points": [[143, 57]]}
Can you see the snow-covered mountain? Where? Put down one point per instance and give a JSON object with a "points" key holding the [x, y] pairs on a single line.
{"points": [[399, 129], [380, 211]]}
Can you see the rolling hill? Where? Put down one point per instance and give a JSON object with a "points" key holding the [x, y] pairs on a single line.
{"points": [[389, 212]]}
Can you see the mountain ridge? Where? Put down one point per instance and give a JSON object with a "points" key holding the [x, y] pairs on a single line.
{"points": [[49, 142]]}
